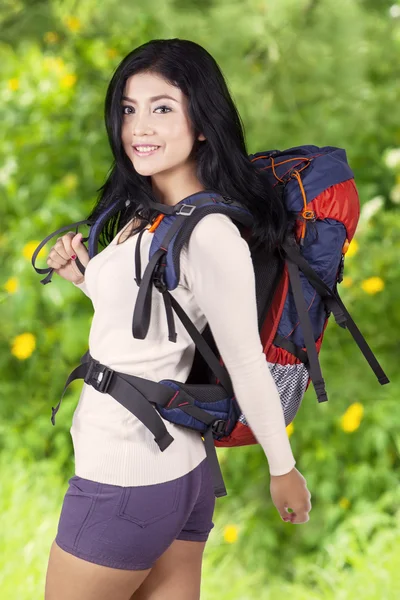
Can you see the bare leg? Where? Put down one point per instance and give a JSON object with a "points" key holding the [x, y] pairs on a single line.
{"points": [[71, 578], [176, 575]]}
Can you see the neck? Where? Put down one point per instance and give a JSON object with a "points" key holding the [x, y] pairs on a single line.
{"points": [[172, 188]]}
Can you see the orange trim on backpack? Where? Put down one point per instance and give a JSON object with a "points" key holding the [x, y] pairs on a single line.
{"points": [[156, 222], [305, 214], [345, 246]]}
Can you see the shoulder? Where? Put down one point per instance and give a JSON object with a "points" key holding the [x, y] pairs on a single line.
{"points": [[213, 229], [215, 245]]}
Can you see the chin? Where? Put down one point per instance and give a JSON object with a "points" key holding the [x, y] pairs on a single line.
{"points": [[146, 172]]}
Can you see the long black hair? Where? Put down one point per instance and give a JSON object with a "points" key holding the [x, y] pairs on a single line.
{"points": [[222, 159]]}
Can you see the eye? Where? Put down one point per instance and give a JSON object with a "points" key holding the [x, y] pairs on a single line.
{"points": [[131, 109], [167, 107]]}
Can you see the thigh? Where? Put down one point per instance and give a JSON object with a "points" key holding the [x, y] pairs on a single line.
{"points": [[177, 574], [69, 578], [199, 523]]}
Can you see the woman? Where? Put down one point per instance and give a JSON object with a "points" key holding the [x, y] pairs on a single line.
{"points": [[135, 520]]}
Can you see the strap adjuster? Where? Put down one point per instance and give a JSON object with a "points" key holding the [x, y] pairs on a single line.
{"points": [[186, 213], [99, 376], [218, 426]]}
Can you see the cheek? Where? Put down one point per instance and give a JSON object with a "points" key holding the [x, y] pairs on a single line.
{"points": [[125, 136], [180, 136]]}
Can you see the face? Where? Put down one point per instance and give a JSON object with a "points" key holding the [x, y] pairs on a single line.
{"points": [[156, 131]]}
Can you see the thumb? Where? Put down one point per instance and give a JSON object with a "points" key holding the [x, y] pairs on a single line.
{"points": [[80, 249]]}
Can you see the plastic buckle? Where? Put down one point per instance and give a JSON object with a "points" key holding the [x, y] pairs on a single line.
{"points": [[160, 285], [218, 427], [341, 270], [104, 374], [182, 210], [158, 279]]}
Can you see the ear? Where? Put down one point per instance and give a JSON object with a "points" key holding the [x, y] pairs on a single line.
{"points": [[201, 137]]}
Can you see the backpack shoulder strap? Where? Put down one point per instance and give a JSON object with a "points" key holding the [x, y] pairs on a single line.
{"points": [[163, 267]]}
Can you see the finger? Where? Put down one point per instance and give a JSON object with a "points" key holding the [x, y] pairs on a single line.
{"points": [[63, 246], [285, 514], [68, 239], [300, 515], [80, 249], [55, 261], [301, 518], [58, 253], [53, 264]]}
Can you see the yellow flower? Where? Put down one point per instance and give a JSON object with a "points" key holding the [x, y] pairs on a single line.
{"points": [[73, 23], [13, 84], [373, 285], [290, 429], [231, 534], [347, 281], [353, 248], [112, 52], [68, 80], [23, 345], [54, 63], [11, 285], [70, 181], [344, 503], [30, 248], [51, 37], [351, 419]]}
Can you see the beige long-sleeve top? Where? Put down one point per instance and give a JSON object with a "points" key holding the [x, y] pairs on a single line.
{"points": [[217, 285]]}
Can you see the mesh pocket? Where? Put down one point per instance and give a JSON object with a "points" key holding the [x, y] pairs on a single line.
{"points": [[291, 381]]}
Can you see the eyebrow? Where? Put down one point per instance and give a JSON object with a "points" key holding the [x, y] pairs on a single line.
{"points": [[152, 99]]}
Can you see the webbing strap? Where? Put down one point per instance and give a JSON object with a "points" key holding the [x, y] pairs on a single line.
{"points": [[126, 394], [219, 371], [308, 334], [217, 478], [204, 417], [335, 304], [282, 342], [142, 310]]}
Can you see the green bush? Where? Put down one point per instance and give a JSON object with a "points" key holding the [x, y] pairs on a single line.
{"points": [[320, 73]]}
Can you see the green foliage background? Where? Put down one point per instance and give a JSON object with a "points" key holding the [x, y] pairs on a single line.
{"points": [[323, 72]]}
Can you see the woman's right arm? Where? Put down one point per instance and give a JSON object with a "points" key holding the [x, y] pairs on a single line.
{"points": [[83, 287]]}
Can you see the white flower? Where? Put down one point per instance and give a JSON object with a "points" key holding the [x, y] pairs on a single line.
{"points": [[392, 158], [394, 11], [8, 169], [395, 194], [370, 208]]}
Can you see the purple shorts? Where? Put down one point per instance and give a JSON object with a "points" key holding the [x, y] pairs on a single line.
{"points": [[131, 527]]}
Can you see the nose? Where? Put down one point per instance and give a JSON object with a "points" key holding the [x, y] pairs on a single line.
{"points": [[141, 126]]}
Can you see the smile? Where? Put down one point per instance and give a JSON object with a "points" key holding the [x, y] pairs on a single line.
{"points": [[145, 150]]}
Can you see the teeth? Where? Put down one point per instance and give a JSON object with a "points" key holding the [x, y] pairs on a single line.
{"points": [[146, 148]]}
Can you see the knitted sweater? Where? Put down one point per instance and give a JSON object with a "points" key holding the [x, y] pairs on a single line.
{"points": [[217, 286]]}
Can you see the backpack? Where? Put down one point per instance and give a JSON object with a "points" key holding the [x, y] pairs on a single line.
{"points": [[296, 292]]}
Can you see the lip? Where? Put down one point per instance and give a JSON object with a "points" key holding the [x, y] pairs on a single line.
{"points": [[144, 153]]}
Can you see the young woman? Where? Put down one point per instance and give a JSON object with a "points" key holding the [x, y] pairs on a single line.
{"points": [[135, 521]]}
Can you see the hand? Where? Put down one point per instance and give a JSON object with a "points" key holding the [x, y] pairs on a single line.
{"points": [[290, 491], [60, 255]]}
